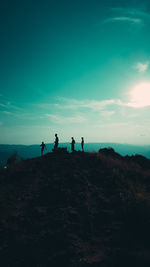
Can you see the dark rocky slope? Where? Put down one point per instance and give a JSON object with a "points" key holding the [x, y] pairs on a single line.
{"points": [[75, 210]]}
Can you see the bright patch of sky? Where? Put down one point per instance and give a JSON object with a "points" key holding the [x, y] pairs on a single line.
{"points": [[78, 68]]}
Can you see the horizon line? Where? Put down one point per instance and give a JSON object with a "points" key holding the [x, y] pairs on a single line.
{"points": [[51, 143]]}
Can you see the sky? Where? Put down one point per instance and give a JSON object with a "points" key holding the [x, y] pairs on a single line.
{"points": [[75, 68]]}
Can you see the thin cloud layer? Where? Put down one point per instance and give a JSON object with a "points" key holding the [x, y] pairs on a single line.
{"points": [[89, 104], [107, 114], [65, 120], [102, 106], [9, 105], [124, 19]]}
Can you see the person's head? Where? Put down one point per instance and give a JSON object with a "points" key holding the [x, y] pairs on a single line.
{"points": [[42, 142], [82, 138], [72, 138], [56, 135]]}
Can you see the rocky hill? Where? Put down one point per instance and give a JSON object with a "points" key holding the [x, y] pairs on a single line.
{"points": [[76, 210]]}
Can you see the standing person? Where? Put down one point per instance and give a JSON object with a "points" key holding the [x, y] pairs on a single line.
{"points": [[72, 144], [43, 146], [82, 143], [56, 142]]}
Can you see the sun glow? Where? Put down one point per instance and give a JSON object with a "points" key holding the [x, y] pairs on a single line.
{"points": [[140, 95]]}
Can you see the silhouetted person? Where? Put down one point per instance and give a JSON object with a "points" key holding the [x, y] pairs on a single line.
{"points": [[56, 141], [72, 144], [82, 143], [43, 146]]}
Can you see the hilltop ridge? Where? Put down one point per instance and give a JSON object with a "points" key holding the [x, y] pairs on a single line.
{"points": [[76, 210], [32, 151]]}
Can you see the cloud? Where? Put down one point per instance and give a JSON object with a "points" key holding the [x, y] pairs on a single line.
{"points": [[135, 104], [21, 114], [101, 106], [107, 114], [130, 15], [98, 105], [8, 112], [132, 11], [124, 19], [8, 105], [93, 105], [142, 67], [128, 104], [73, 111], [63, 103], [115, 124], [3, 105], [65, 120]]}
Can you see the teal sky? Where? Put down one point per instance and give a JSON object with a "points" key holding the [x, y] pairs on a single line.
{"points": [[76, 68]]}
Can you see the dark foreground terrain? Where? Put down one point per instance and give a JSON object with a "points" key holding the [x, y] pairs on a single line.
{"points": [[76, 210]]}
